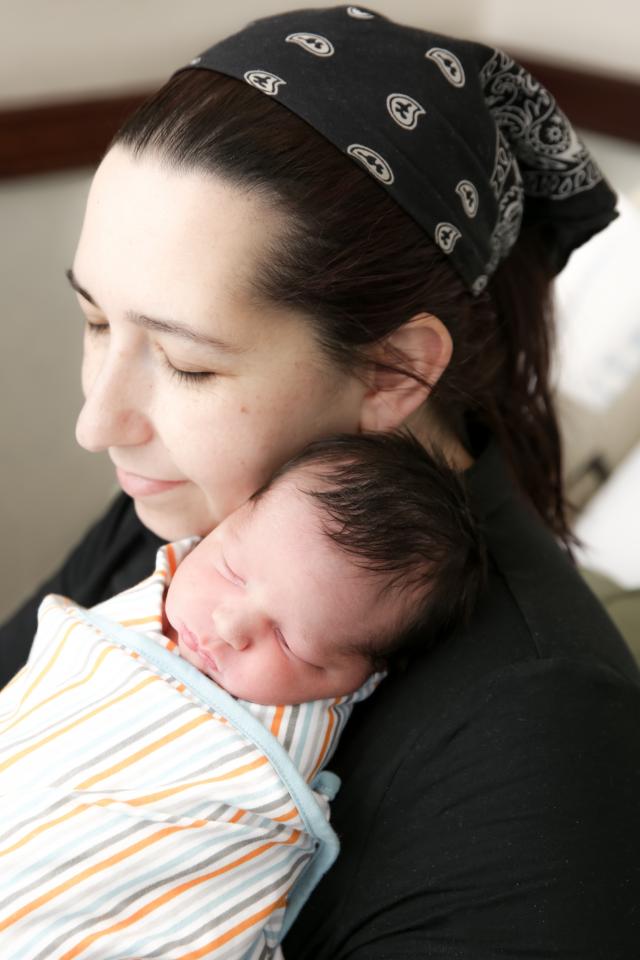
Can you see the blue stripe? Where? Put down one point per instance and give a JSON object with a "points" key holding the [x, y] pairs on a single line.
{"points": [[214, 696]]}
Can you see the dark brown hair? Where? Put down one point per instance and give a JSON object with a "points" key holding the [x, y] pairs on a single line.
{"points": [[360, 267], [403, 515]]}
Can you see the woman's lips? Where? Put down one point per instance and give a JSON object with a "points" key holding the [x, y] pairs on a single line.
{"points": [[137, 486]]}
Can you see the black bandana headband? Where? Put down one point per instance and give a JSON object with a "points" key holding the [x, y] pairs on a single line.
{"points": [[461, 136]]}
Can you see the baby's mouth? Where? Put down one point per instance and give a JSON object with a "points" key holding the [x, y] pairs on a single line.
{"points": [[188, 638], [191, 641], [208, 659]]}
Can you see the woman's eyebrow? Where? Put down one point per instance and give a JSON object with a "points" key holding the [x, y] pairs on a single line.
{"points": [[171, 327]]}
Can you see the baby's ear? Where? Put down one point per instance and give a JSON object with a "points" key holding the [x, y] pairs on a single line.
{"points": [[404, 368]]}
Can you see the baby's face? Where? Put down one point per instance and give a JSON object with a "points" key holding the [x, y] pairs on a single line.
{"points": [[271, 609]]}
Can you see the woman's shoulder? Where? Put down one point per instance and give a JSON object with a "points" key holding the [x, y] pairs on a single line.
{"points": [[502, 752], [491, 787], [115, 553], [537, 603]]}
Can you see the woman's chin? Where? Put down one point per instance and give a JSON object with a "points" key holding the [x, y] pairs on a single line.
{"points": [[173, 521]]}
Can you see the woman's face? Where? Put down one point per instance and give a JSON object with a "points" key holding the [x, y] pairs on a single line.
{"points": [[196, 393]]}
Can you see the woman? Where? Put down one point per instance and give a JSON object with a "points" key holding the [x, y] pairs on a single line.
{"points": [[330, 222]]}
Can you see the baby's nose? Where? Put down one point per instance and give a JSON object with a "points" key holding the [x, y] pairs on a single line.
{"points": [[237, 639], [237, 626]]}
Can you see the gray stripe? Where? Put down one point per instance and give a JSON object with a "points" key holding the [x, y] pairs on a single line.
{"points": [[94, 703], [47, 811], [94, 921], [210, 926], [115, 748], [291, 726], [280, 801], [75, 861], [24, 823], [215, 763]]}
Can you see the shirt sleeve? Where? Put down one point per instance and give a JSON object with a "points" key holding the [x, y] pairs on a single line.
{"points": [[112, 555], [514, 834]]}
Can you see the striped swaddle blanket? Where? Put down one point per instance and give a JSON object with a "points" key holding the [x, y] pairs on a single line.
{"points": [[144, 812]]}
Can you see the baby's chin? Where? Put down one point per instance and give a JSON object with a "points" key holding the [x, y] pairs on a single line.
{"points": [[168, 630]]}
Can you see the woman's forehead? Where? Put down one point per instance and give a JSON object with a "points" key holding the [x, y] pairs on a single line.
{"points": [[150, 226]]}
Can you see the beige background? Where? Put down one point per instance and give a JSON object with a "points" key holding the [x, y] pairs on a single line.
{"points": [[49, 488]]}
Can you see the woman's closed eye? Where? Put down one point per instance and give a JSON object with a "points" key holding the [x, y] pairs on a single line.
{"points": [[181, 374], [95, 329], [187, 376]]}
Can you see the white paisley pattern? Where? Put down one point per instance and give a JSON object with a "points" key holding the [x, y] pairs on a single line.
{"points": [[449, 65], [507, 228], [264, 81], [404, 110], [553, 160], [358, 14], [469, 197], [476, 138], [372, 161], [446, 236], [313, 42]]}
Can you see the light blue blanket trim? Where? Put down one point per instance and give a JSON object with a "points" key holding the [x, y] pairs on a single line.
{"points": [[211, 694]]}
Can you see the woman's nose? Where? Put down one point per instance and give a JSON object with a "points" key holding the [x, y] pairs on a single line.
{"points": [[113, 413]]}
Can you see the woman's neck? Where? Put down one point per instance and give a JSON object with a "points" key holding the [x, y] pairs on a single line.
{"points": [[432, 434]]}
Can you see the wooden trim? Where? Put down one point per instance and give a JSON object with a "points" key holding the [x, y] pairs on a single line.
{"points": [[603, 103], [62, 136]]}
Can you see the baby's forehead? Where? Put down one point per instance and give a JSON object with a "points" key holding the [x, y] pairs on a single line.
{"points": [[299, 483]]}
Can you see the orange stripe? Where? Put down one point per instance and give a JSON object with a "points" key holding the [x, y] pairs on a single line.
{"points": [[63, 691], [277, 720], [327, 737], [287, 816], [51, 662], [173, 563], [91, 871], [42, 829], [171, 791], [136, 621], [171, 894], [144, 752], [235, 931], [238, 815], [76, 723]]}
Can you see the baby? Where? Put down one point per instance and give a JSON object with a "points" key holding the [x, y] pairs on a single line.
{"points": [[356, 550], [147, 810]]}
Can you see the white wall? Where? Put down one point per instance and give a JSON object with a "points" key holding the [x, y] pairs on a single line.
{"points": [[49, 488], [53, 48], [598, 34], [89, 46]]}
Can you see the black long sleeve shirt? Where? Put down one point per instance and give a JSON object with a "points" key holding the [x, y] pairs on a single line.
{"points": [[490, 793]]}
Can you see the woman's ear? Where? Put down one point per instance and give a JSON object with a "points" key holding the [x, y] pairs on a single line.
{"points": [[422, 345]]}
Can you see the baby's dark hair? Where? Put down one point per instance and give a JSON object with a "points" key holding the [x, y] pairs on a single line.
{"points": [[403, 514]]}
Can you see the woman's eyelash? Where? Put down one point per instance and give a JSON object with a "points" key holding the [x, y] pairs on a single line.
{"points": [[96, 328], [183, 376], [188, 376], [191, 377]]}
